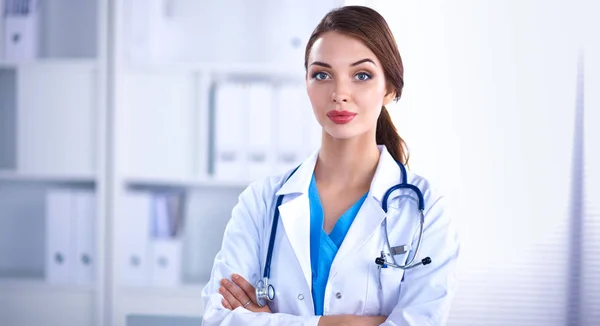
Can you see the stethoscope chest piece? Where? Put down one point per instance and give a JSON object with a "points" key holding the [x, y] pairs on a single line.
{"points": [[264, 292]]}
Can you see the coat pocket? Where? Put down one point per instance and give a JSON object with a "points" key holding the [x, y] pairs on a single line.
{"points": [[383, 290], [391, 286]]}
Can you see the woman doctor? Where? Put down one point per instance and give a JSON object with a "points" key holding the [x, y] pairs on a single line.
{"points": [[332, 225]]}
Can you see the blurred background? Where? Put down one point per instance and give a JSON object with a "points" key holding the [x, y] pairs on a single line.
{"points": [[128, 129]]}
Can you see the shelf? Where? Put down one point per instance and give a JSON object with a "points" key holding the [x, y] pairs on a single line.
{"points": [[295, 72], [182, 291], [150, 182], [13, 176], [25, 285], [83, 63], [179, 301], [38, 303]]}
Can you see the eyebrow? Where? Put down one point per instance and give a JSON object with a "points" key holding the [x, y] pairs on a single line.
{"points": [[323, 64]]}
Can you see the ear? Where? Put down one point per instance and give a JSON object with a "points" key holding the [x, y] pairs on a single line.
{"points": [[389, 97]]}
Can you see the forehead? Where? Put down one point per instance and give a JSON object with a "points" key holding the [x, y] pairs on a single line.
{"points": [[338, 49]]}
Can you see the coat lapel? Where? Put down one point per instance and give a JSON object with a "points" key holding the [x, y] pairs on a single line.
{"points": [[295, 216], [295, 213], [371, 215]]}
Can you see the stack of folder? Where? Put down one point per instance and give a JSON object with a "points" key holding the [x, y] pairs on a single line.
{"points": [[151, 238], [260, 129], [70, 236]]}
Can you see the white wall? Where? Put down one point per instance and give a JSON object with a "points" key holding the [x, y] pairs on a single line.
{"points": [[489, 113]]}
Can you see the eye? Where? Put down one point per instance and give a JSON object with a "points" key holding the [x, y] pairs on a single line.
{"points": [[362, 76], [320, 75]]}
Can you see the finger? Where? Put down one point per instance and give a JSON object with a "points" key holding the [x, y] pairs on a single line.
{"points": [[227, 295], [226, 304], [239, 294], [245, 286], [236, 291]]}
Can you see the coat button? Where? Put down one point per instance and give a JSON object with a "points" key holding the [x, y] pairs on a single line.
{"points": [[300, 297], [338, 295]]}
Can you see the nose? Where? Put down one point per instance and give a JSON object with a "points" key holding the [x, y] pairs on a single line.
{"points": [[340, 97], [340, 93]]}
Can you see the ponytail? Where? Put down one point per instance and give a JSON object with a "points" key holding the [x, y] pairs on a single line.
{"points": [[386, 134]]}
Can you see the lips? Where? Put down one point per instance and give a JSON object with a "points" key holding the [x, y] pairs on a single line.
{"points": [[340, 117], [336, 113]]}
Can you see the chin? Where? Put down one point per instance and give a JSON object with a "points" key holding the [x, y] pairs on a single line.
{"points": [[342, 132]]}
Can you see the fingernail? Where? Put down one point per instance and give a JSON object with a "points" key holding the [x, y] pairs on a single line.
{"points": [[236, 277], [221, 289], [224, 281]]}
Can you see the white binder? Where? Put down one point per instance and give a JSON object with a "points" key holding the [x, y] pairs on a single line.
{"points": [[21, 30], [84, 220], [290, 137], [60, 253], [134, 238], [229, 131], [166, 261], [165, 243], [260, 130]]}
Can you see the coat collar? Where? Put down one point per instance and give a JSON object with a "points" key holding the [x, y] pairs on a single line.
{"points": [[299, 182], [386, 175]]}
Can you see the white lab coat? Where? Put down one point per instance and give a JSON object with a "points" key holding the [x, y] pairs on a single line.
{"points": [[419, 296]]}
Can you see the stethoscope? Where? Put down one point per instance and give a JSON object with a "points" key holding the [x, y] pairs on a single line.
{"points": [[265, 292]]}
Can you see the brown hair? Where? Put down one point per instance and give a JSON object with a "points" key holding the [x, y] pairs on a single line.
{"points": [[368, 26]]}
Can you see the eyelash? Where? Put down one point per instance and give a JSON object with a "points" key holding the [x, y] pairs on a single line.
{"points": [[314, 75], [368, 75]]}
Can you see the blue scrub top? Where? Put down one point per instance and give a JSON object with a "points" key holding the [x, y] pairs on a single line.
{"points": [[324, 247]]}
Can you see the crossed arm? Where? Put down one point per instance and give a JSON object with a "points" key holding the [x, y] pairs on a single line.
{"points": [[425, 298], [238, 292]]}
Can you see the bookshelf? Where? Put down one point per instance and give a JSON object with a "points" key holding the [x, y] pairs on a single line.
{"points": [[52, 129], [101, 108]]}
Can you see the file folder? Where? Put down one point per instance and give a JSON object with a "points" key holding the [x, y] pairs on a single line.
{"points": [[134, 238], [290, 124], [21, 29], [166, 261], [60, 253], [260, 131], [229, 130], [84, 216]]}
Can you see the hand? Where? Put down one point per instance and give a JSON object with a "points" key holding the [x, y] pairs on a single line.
{"points": [[240, 293], [371, 320]]}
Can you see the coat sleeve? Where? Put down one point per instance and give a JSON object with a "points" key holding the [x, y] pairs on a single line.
{"points": [[240, 253], [427, 291]]}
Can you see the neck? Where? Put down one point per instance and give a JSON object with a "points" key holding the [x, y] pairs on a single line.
{"points": [[347, 163]]}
